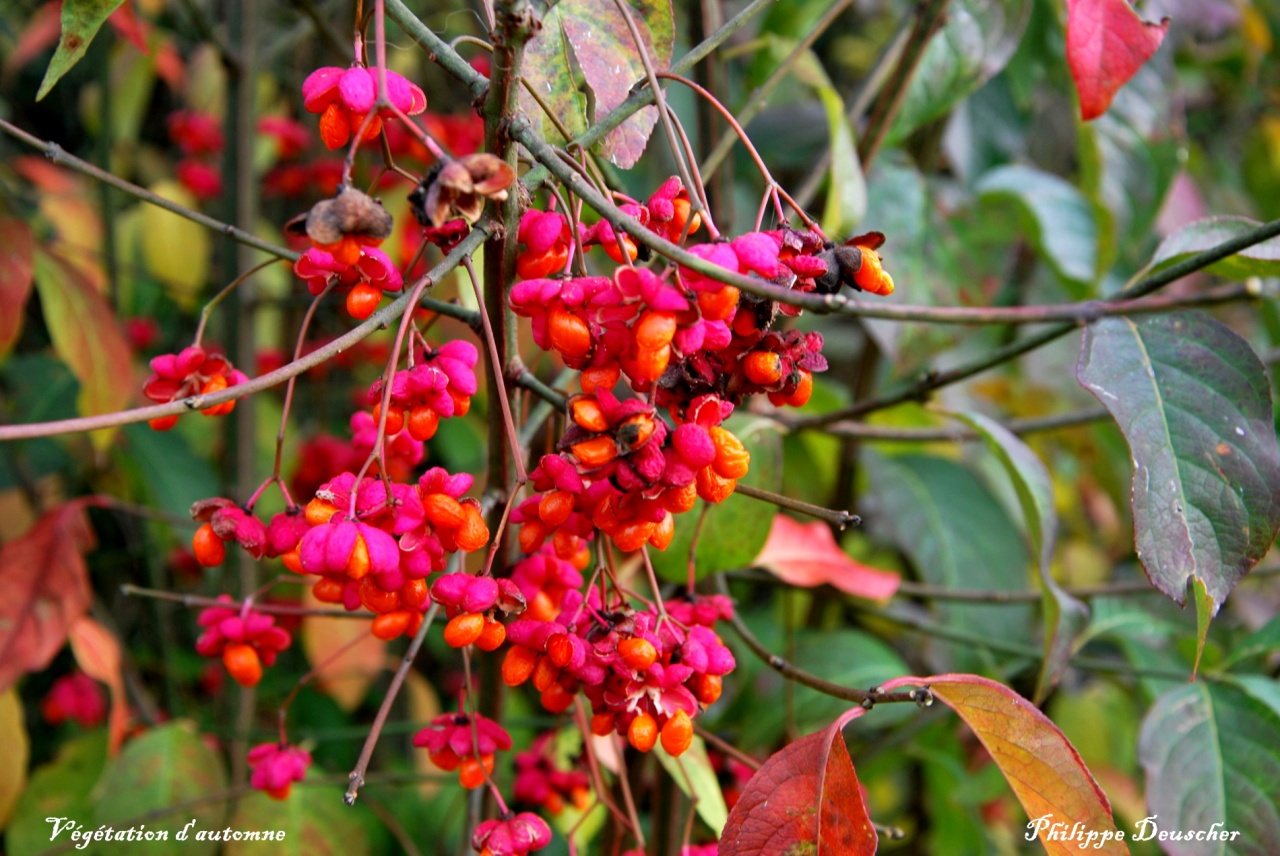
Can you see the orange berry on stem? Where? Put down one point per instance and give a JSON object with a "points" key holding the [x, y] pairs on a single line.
{"points": [[532, 534], [423, 422], [718, 305], [622, 244], [649, 365], [595, 452], [377, 600], [443, 511], [568, 333], [707, 688], [243, 664], [556, 699], [446, 759], [631, 536], [555, 507], [642, 733], [518, 665], [732, 458], [210, 550], [603, 724], [328, 590], [474, 532], [664, 532], [585, 410], [415, 594], [677, 734], [762, 367], [163, 423], [362, 300], [292, 561], [638, 653], [493, 635], [712, 487], [463, 629], [472, 771], [654, 330], [391, 626], [560, 650], [395, 419], [545, 674], [601, 377]]}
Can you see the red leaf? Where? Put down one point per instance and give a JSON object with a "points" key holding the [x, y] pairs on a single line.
{"points": [[17, 269], [46, 588], [1106, 45], [129, 26], [98, 654], [804, 800], [40, 34], [806, 554], [1037, 760]]}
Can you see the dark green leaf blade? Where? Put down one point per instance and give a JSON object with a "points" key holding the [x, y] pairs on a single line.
{"points": [[1194, 404], [1066, 233], [81, 20], [976, 42], [1259, 260], [58, 789], [1211, 757], [1064, 616]]}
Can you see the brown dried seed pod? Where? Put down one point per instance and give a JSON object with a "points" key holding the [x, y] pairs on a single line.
{"points": [[351, 212]]}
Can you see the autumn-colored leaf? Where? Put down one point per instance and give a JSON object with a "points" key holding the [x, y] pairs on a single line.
{"points": [[98, 653], [129, 26], [13, 736], [1040, 764], [46, 589], [806, 554], [87, 336], [1106, 45], [348, 658], [806, 799], [36, 37], [16, 275], [80, 22]]}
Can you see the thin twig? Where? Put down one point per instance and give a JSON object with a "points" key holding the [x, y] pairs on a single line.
{"points": [[60, 156], [835, 516], [194, 601], [356, 778]]}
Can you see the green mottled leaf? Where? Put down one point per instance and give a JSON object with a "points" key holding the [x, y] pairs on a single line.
{"points": [[170, 764], [1064, 616], [309, 820], [80, 22], [692, 772], [976, 41], [548, 67], [58, 789], [1259, 260], [86, 336], [1264, 640], [610, 61], [1211, 757], [1194, 404], [1064, 229], [168, 469], [737, 528], [957, 535]]}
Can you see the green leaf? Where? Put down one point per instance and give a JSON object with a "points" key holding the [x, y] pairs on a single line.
{"points": [[1259, 260], [308, 819], [168, 470], [1264, 640], [693, 774], [1205, 609], [1064, 229], [170, 764], [548, 66], [1064, 616], [80, 22], [59, 789], [957, 535], [86, 336], [1194, 404], [977, 40], [846, 202], [38, 388], [737, 528], [1211, 757]]}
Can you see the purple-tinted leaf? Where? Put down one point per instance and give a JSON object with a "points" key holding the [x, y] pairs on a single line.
{"points": [[608, 56], [1261, 259], [1194, 404], [1211, 757]]}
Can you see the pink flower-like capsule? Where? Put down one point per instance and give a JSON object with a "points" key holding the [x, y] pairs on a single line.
{"points": [[344, 97], [511, 836], [276, 766], [230, 522], [77, 697], [318, 267]]}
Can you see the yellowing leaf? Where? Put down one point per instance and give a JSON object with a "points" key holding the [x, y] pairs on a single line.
{"points": [[80, 22], [1040, 764], [87, 337], [98, 653], [175, 249], [348, 676], [13, 736]]}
